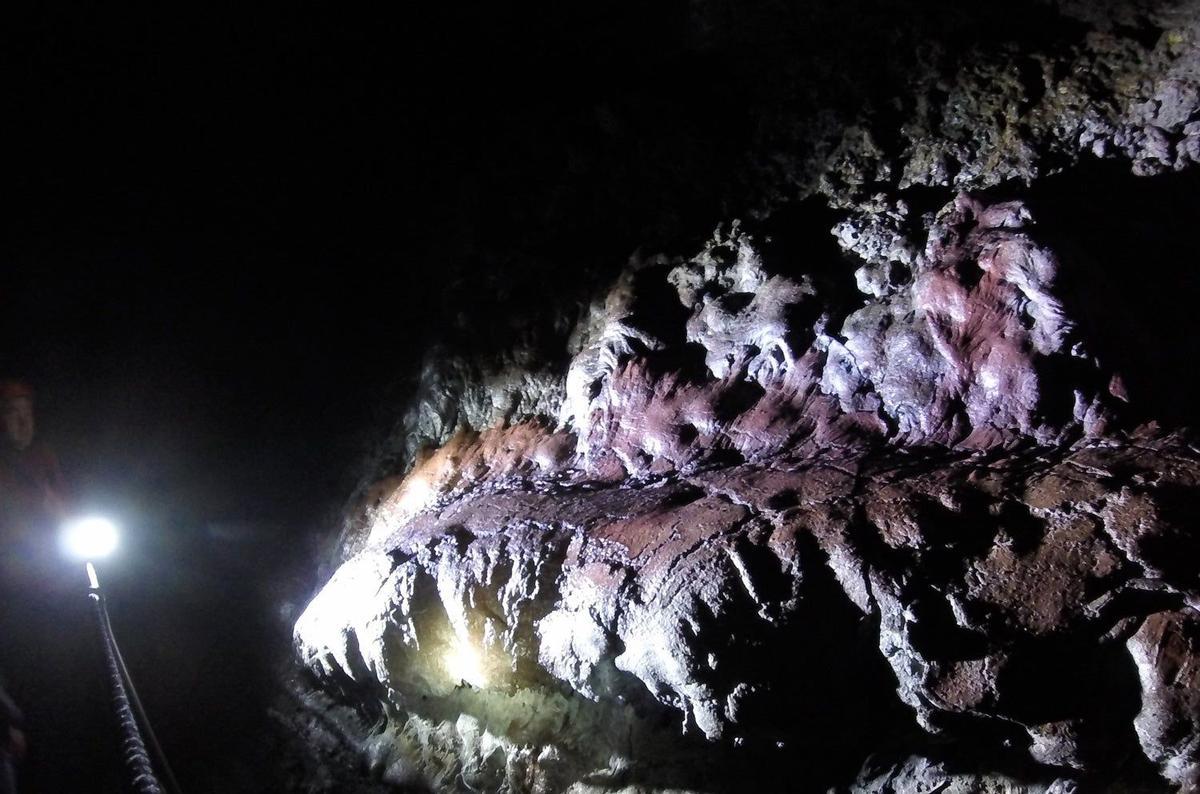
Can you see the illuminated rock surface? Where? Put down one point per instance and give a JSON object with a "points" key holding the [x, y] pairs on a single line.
{"points": [[762, 518], [588, 603], [698, 553]]}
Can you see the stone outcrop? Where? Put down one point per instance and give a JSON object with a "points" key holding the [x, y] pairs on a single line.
{"points": [[1001, 591], [879, 115], [767, 513], [1167, 652], [755, 519]]}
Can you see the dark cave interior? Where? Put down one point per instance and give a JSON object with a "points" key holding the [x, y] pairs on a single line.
{"points": [[248, 246]]}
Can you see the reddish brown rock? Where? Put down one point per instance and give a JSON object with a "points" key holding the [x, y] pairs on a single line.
{"points": [[993, 610]]}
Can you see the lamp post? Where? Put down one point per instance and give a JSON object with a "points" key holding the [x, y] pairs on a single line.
{"points": [[90, 539]]}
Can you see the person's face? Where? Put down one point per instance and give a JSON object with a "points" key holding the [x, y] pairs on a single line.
{"points": [[17, 416]]}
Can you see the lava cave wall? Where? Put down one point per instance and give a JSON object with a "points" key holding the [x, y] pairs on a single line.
{"points": [[884, 485]]}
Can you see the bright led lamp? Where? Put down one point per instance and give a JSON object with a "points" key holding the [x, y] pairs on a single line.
{"points": [[90, 538]]}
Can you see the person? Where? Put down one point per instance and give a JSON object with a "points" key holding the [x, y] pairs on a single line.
{"points": [[44, 629], [33, 500]]}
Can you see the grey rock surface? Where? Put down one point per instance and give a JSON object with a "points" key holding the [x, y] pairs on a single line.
{"points": [[1167, 652], [752, 515], [641, 559]]}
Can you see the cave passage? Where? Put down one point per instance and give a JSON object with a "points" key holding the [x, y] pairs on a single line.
{"points": [[721, 396]]}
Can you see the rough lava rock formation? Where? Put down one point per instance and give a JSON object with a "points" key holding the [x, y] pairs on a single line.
{"points": [[747, 531]]}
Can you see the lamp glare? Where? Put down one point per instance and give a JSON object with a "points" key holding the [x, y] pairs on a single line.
{"points": [[90, 538], [464, 665]]}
